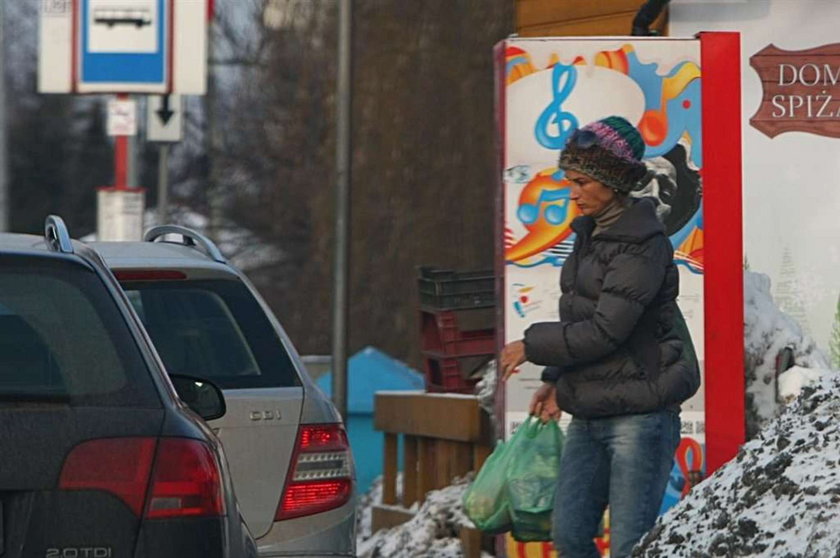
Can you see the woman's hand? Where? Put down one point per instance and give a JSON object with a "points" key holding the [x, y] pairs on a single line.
{"points": [[513, 354], [544, 403]]}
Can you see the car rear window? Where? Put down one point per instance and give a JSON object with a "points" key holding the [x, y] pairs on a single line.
{"points": [[213, 329], [63, 337]]}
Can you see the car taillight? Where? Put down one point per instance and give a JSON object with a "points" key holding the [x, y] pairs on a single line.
{"points": [[184, 475], [321, 477], [186, 481], [120, 466]]}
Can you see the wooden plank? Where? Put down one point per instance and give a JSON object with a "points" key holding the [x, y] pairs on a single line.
{"points": [[385, 517], [617, 23], [462, 459], [480, 454], [445, 416], [541, 12], [470, 542], [389, 470], [445, 458], [426, 474], [410, 465], [452, 459], [614, 24]]}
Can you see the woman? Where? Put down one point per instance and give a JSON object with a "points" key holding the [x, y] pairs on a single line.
{"points": [[614, 360]]}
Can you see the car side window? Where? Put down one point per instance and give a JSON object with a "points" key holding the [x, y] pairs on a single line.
{"points": [[62, 336], [212, 329]]}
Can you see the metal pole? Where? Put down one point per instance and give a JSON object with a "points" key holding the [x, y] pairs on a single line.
{"points": [[4, 182], [163, 185], [342, 206], [213, 142], [131, 160]]}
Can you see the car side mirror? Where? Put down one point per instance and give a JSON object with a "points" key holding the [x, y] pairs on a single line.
{"points": [[203, 397]]}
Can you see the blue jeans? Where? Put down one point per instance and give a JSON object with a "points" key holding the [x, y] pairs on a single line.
{"points": [[623, 461]]}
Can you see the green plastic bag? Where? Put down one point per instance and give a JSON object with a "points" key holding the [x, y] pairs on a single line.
{"points": [[532, 480], [486, 501], [507, 481]]}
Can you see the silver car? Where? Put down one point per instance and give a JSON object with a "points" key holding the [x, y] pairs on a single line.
{"points": [[287, 448]]}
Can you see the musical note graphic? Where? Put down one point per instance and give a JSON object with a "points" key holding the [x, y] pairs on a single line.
{"points": [[546, 211], [563, 79], [555, 213]]}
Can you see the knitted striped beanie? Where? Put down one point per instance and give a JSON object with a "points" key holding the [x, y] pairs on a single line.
{"points": [[609, 150]]}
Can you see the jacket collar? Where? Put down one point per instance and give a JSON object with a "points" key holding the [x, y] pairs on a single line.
{"points": [[636, 224]]}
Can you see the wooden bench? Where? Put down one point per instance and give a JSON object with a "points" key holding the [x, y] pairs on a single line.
{"points": [[444, 436]]}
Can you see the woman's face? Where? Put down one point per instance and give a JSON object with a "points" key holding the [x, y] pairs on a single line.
{"points": [[589, 195]]}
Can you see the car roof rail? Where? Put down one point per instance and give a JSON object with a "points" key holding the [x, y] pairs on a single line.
{"points": [[191, 238], [57, 236]]}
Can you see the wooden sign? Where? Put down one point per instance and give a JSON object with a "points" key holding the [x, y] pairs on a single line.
{"points": [[801, 91]]}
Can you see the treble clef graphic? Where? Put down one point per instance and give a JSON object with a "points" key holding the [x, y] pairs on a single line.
{"points": [[563, 79]]}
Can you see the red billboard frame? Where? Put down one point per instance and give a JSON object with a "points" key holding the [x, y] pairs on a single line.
{"points": [[723, 243]]}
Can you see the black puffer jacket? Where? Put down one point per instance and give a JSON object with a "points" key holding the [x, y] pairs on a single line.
{"points": [[615, 350]]}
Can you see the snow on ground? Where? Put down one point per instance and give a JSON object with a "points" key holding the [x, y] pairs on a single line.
{"points": [[779, 498], [768, 330], [433, 531], [364, 507]]}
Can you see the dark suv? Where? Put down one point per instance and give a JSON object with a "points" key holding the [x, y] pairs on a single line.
{"points": [[100, 456]]}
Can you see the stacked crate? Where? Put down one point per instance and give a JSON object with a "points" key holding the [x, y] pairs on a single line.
{"points": [[456, 326]]}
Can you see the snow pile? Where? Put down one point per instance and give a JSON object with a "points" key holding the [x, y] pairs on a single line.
{"points": [[767, 330], [779, 498], [793, 381], [485, 391], [364, 507], [433, 531]]}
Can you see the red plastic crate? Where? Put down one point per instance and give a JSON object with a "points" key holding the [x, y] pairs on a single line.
{"points": [[441, 334], [445, 374]]}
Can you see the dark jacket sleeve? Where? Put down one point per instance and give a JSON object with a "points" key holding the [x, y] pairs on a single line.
{"points": [[550, 374], [631, 282]]}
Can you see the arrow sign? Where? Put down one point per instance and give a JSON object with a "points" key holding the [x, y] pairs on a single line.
{"points": [[164, 118], [165, 113]]}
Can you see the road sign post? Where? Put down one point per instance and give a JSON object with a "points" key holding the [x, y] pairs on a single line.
{"points": [[164, 125], [164, 119], [123, 47], [119, 213], [136, 46], [120, 207]]}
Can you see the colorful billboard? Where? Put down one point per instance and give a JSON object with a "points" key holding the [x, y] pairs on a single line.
{"points": [[547, 89]]}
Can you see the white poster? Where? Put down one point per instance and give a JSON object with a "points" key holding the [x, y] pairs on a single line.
{"points": [[791, 184]]}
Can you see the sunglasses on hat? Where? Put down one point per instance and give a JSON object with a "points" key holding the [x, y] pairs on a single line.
{"points": [[583, 138]]}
